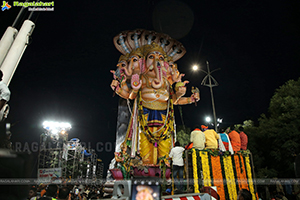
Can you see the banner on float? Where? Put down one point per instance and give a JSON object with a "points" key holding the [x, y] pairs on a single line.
{"points": [[46, 174]]}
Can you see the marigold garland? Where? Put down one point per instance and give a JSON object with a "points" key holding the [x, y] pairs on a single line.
{"points": [[217, 176], [235, 169], [249, 174], [239, 176], [205, 168], [230, 179], [195, 175], [210, 169], [199, 169], [224, 178], [243, 173]]}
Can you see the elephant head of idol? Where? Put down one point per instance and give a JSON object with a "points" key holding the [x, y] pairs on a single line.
{"points": [[135, 62], [172, 73], [154, 63], [136, 67], [123, 65]]}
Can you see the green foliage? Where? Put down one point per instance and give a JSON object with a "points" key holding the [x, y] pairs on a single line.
{"points": [[265, 173], [275, 142], [248, 123], [183, 136]]}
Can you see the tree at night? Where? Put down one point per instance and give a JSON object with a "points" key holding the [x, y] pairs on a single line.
{"points": [[275, 142]]}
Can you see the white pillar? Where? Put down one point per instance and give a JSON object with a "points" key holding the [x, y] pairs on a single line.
{"points": [[6, 42], [16, 51]]}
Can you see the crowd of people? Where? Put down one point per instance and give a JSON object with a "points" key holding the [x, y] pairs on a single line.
{"points": [[64, 192], [227, 140]]}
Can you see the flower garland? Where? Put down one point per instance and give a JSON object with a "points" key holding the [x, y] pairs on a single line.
{"points": [[234, 168], [249, 174], [217, 176], [224, 178], [163, 168], [210, 169], [199, 169], [205, 168], [243, 173], [195, 175], [213, 152], [239, 175], [230, 179]]}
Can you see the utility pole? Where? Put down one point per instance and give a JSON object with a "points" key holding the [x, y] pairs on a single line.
{"points": [[211, 83]]}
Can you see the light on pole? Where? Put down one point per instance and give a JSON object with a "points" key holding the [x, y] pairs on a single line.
{"points": [[56, 128], [207, 119], [211, 83], [195, 67]]}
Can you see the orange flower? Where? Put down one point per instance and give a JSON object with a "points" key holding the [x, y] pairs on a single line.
{"points": [[239, 177], [243, 174], [217, 175]]}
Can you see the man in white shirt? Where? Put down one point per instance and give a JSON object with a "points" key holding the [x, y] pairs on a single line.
{"points": [[176, 155]]}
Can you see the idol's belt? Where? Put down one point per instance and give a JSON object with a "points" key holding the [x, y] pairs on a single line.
{"points": [[163, 92], [156, 105]]}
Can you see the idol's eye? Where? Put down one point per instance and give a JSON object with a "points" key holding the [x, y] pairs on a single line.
{"points": [[134, 60], [151, 57], [161, 58], [123, 65]]}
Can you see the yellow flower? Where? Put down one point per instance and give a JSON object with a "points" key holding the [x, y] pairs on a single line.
{"points": [[250, 177], [230, 180], [195, 173], [205, 168]]}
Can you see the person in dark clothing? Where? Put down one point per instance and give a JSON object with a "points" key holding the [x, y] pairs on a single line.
{"points": [[244, 194], [51, 192]]}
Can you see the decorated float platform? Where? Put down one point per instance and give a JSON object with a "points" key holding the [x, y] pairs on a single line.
{"points": [[214, 173], [227, 173]]}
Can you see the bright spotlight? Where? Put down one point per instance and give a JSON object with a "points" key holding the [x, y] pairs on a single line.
{"points": [[195, 67], [54, 131], [56, 127], [207, 119]]}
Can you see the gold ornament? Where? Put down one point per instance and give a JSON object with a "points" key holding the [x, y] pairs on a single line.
{"points": [[152, 47], [123, 57], [135, 52]]}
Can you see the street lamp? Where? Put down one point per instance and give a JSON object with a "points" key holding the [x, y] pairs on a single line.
{"points": [[211, 83], [219, 120], [207, 119], [195, 67]]}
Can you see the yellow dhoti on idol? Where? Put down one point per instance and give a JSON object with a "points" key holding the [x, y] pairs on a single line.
{"points": [[151, 130]]}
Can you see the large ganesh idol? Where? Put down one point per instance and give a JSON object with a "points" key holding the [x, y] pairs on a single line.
{"points": [[146, 73]]}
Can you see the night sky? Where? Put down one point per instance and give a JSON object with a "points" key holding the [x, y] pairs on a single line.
{"points": [[64, 73]]}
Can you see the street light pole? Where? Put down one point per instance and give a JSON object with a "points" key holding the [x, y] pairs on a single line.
{"points": [[210, 85]]}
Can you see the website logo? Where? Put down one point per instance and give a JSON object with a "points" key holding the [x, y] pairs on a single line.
{"points": [[32, 6], [5, 6]]}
